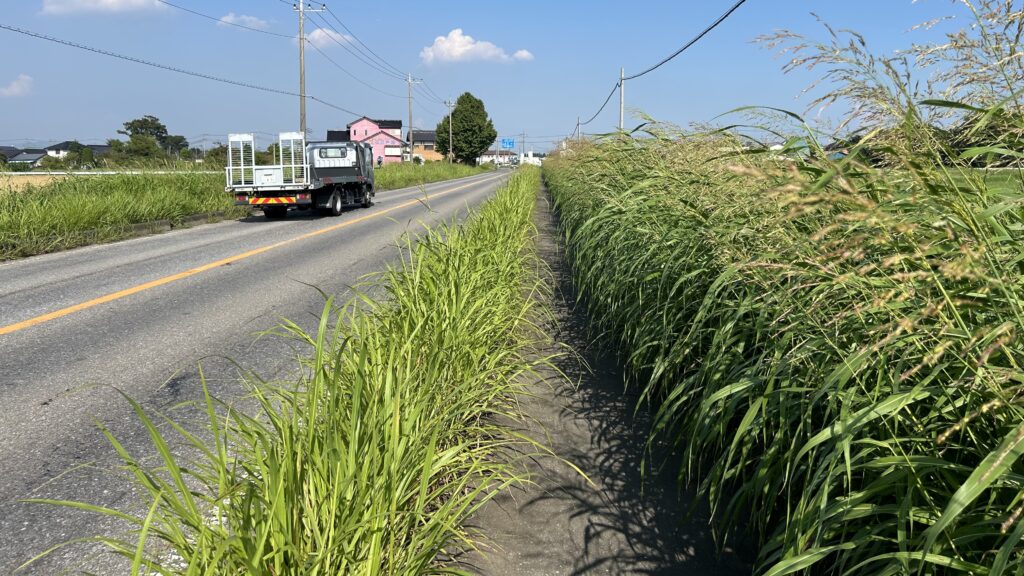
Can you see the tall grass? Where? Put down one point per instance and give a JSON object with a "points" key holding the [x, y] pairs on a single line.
{"points": [[77, 211], [370, 463], [395, 176], [833, 345]]}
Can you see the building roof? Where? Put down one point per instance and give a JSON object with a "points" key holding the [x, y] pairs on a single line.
{"points": [[424, 135], [382, 124], [65, 145], [28, 157], [380, 133], [9, 151], [98, 149]]}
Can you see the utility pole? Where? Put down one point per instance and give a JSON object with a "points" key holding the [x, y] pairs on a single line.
{"points": [[451, 132], [579, 137], [622, 99], [411, 81], [301, 8]]}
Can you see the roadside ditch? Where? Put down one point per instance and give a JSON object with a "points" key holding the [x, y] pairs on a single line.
{"points": [[627, 515]]}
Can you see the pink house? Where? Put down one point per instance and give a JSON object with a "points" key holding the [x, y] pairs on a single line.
{"points": [[384, 135]]}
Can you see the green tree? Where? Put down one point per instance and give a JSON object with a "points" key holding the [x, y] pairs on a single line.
{"points": [[472, 130], [216, 156], [152, 127], [146, 126], [52, 163], [79, 156], [174, 144]]}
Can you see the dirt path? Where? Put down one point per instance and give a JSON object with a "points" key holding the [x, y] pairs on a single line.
{"points": [[620, 525]]}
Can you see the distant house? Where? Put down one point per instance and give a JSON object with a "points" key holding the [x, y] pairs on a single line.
{"points": [[497, 157], [98, 150], [32, 157], [531, 158], [60, 150], [424, 145], [9, 152], [384, 135], [425, 138]]}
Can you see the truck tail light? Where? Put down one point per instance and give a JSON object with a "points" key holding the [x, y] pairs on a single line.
{"points": [[304, 196]]}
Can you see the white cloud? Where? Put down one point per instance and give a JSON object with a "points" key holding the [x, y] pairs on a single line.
{"points": [[243, 20], [72, 6], [20, 86], [524, 55], [324, 38], [460, 47]]}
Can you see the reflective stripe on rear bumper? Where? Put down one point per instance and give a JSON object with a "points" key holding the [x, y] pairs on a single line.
{"points": [[274, 200]]}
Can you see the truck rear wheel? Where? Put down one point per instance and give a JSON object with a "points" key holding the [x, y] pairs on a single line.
{"points": [[334, 204], [275, 212], [367, 201]]}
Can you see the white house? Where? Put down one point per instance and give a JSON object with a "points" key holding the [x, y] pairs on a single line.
{"points": [[499, 157], [60, 150], [531, 158]]}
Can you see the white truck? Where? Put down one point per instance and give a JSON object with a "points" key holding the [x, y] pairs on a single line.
{"points": [[325, 176]]}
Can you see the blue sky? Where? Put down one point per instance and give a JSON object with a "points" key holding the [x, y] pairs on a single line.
{"points": [[536, 65]]}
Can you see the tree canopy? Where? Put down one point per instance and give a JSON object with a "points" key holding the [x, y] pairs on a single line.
{"points": [[472, 129], [140, 130]]}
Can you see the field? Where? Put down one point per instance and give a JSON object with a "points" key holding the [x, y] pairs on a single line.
{"points": [[17, 181], [835, 348], [50, 213], [394, 176], [832, 342], [838, 363], [79, 211]]}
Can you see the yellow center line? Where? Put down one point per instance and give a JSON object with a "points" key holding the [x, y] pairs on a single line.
{"points": [[229, 260]]}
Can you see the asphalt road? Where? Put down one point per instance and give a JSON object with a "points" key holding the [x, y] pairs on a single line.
{"points": [[140, 316]]}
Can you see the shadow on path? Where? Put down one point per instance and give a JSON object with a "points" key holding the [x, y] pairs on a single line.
{"points": [[632, 519]]}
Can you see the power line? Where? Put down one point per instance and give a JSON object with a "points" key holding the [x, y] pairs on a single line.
{"points": [[691, 42], [432, 93], [222, 21], [367, 56], [601, 109], [368, 49], [428, 95], [355, 54], [169, 68], [618, 85], [353, 76], [427, 108], [369, 53]]}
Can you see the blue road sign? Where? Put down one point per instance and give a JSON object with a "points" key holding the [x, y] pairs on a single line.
{"points": [[508, 143]]}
